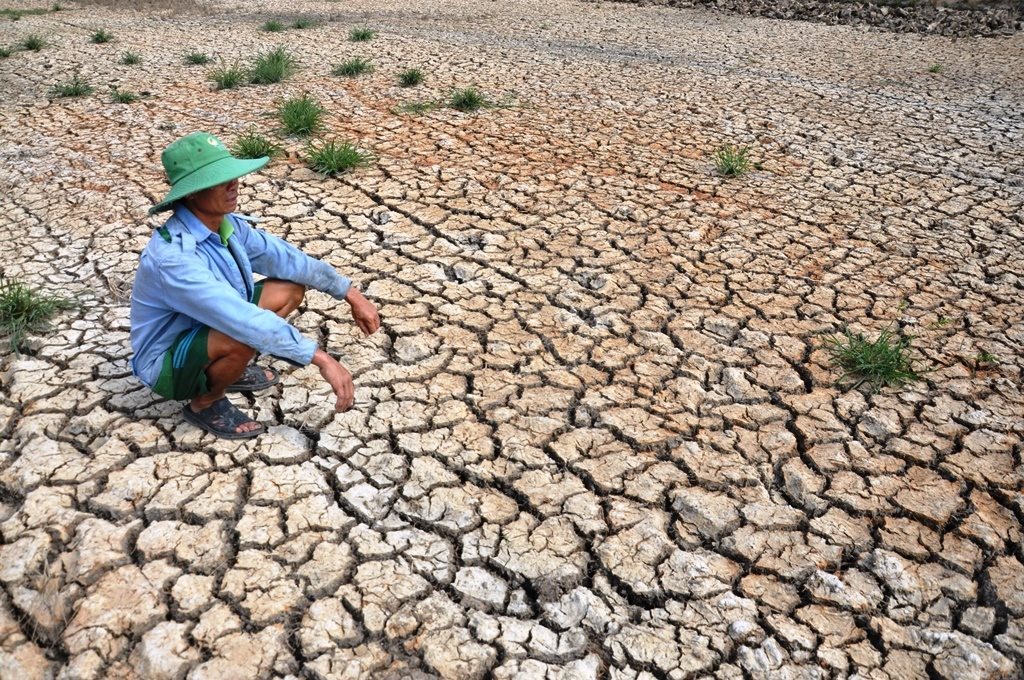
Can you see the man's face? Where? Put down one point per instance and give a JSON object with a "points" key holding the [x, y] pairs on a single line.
{"points": [[219, 200]]}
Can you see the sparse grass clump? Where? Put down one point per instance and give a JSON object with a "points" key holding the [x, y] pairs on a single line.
{"points": [[410, 77], [732, 161], [16, 14], [131, 58], [32, 43], [101, 36], [123, 96], [304, 22], [254, 145], [76, 87], [5, 52], [273, 26], [469, 99], [361, 34], [935, 68], [353, 67], [301, 115], [272, 67], [879, 362], [197, 58], [416, 107], [25, 310], [227, 77], [333, 157]]}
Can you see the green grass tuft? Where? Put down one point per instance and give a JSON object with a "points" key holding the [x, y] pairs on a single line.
{"points": [[333, 157], [303, 22], [410, 77], [272, 67], [16, 14], [25, 310], [732, 161], [301, 115], [416, 107], [273, 26], [353, 67], [880, 362], [123, 96], [131, 58], [32, 43], [100, 36], [227, 77], [254, 145], [197, 58], [5, 52], [56, 7], [76, 87], [468, 99], [935, 68], [361, 34]]}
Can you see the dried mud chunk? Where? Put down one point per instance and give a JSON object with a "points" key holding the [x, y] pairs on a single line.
{"points": [[548, 553], [204, 549], [699, 573], [789, 554], [634, 553], [711, 514], [1007, 578], [385, 587], [262, 588], [991, 523], [283, 484], [121, 605], [955, 656], [928, 495], [326, 626], [164, 652], [454, 655]]}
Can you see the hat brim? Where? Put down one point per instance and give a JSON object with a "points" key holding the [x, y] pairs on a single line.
{"points": [[217, 172]]}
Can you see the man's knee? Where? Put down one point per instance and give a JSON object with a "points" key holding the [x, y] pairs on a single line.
{"points": [[296, 294], [220, 346]]}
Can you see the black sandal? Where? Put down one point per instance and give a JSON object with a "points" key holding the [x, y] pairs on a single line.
{"points": [[254, 379], [222, 419]]}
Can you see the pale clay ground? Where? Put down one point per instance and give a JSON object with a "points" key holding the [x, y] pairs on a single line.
{"points": [[597, 436]]}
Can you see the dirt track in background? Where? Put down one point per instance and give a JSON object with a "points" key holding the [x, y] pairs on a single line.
{"points": [[598, 435]]}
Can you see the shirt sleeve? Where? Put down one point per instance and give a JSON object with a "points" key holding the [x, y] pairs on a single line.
{"points": [[192, 289], [276, 258]]}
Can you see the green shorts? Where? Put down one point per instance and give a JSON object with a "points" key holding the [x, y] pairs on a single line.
{"points": [[183, 375]]}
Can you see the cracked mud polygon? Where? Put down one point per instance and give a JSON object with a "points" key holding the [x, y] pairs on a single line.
{"points": [[599, 434]]}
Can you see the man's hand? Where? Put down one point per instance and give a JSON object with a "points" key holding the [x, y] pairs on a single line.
{"points": [[338, 377], [363, 312]]}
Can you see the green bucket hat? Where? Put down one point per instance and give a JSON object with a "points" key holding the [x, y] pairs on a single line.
{"points": [[199, 161]]}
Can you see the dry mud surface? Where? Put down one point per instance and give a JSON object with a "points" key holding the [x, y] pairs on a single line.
{"points": [[598, 435]]}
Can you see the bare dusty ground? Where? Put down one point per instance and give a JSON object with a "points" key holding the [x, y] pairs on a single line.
{"points": [[598, 435]]}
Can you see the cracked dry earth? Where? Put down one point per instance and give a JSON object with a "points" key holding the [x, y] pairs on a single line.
{"points": [[598, 435]]}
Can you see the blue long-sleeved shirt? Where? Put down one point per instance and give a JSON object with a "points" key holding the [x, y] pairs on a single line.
{"points": [[195, 279]]}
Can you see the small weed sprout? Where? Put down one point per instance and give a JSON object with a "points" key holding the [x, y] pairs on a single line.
{"points": [[732, 161], [272, 67], [880, 362], [273, 26], [468, 99], [304, 22], [416, 107], [5, 52], [333, 157], [33, 43], [227, 77], [935, 68], [254, 145], [56, 7], [353, 67], [123, 96], [76, 87], [197, 58], [410, 77], [131, 58], [986, 358], [25, 310], [17, 14], [301, 115], [361, 34], [101, 36]]}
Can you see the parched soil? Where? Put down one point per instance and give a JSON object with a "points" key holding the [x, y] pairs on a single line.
{"points": [[598, 435]]}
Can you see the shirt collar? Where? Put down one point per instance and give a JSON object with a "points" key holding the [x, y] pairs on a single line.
{"points": [[197, 229]]}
